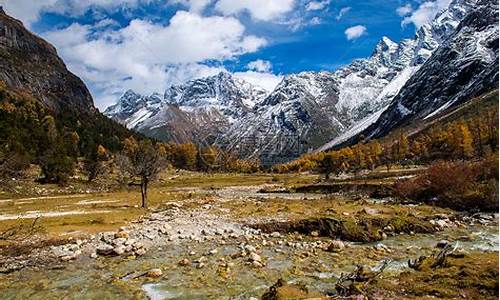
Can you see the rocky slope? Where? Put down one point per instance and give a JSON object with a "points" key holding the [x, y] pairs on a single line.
{"points": [[307, 109], [30, 64], [35, 88], [465, 65], [197, 110]]}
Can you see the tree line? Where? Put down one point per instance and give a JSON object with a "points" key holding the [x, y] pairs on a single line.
{"points": [[463, 139]]}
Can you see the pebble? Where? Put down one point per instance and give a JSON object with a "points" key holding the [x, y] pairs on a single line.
{"points": [[250, 248], [254, 257], [140, 252], [119, 250], [184, 262], [200, 265], [154, 273], [335, 245], [104, 249], [442, 243]]}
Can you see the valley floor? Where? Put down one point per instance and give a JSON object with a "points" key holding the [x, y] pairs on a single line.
{"points": [[227, 236]]}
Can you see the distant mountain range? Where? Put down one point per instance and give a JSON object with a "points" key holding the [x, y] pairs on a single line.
{"points": [[449, 60]]}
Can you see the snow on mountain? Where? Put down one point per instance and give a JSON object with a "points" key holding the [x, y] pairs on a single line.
{"points": [[307, 109], [213, 101], [368, 86], [465, 65], [291, 120]]}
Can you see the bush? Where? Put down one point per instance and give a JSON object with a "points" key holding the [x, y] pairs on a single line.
{"points": [[13, 165], [457, 185], [56, 168]]}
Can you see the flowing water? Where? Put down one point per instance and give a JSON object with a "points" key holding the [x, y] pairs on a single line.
{"points": [[224, 276], [111, 278]]}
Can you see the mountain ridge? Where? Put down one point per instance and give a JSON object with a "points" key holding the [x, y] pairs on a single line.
{"points": [[308, 109]]}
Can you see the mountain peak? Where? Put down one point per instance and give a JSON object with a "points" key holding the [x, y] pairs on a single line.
{"points": [[129, 93], [385, 45], [224, 75]]}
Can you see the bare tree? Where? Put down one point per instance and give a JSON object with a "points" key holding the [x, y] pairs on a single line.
{"points": [[142, 160], [21, 231]]}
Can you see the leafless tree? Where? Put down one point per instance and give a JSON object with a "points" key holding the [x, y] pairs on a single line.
{"points": [[21, 231], [143, 161]]}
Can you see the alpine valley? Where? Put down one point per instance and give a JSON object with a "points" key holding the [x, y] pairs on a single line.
{"points": [[450, 60]]}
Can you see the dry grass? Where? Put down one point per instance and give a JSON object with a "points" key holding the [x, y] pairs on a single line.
{"points": [[110, 210]]}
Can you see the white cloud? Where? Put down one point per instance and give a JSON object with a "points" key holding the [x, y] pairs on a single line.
{"points": [[268, 81], [425, 13], [263, 10], [317, 5], [146, 56], [315, 21], [260, 65], [29, 11], [26, 10], [355, 32], [404, 10], [342, 12], [193, 5]]}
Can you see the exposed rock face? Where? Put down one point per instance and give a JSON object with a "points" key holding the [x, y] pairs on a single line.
{"points": [[308, 109], [197, 110], [295, 117], [464, 66], [373, 83], [30, 64]]}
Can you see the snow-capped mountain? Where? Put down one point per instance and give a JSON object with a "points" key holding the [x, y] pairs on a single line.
{"points": [[369, 86], [344, 102], [190, 111], [288, 122], [464, 66], [308, 109]]}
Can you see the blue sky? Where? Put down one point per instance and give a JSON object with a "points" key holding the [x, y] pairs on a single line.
{"points": [[147, 45]]}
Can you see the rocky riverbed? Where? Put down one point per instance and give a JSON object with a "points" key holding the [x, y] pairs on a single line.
{"points": [[199, 249]]}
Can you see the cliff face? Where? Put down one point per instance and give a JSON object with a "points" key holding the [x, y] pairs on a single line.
{"points": [[30, 64]]}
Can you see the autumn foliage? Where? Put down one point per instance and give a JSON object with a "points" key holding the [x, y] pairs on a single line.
{"points": [[459, 185]]}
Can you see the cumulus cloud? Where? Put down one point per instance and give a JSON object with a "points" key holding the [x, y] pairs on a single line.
{"points": [[145, 56], [404, 10], [317, 5], [343, 11], [193, 5], [260, 65], [355, 32], [425, 13], [262, 10], [266, 80], [29, 11]]}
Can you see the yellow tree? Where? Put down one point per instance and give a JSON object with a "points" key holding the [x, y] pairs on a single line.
{"points": [[208, 158], [465, 141]]}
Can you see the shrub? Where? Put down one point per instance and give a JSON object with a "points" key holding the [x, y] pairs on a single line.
{"points": [[457, 185], [13, 165], [56, 168]]}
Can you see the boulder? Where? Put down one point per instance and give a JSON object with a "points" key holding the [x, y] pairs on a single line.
{"points": [[105, 249]]}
